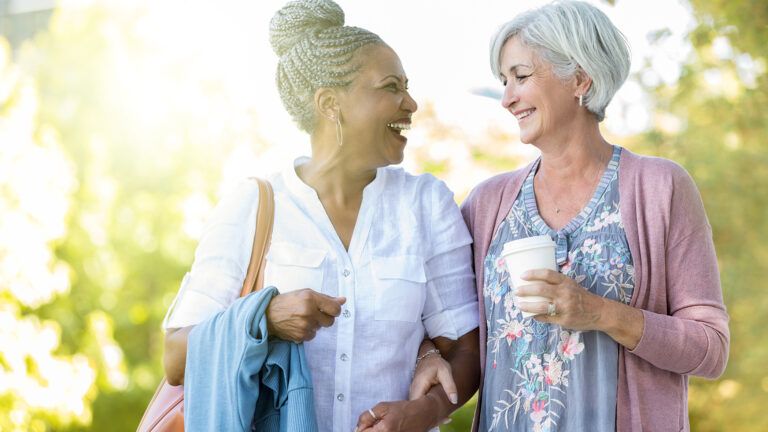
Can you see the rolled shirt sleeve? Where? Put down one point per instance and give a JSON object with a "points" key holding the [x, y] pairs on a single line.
{"points": [[451, 308]]}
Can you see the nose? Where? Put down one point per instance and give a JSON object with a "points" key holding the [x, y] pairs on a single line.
{"points": [[509, 97], [409, 104]]}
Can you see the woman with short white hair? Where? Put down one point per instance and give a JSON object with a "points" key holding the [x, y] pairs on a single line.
{"points": [[636, 305]]}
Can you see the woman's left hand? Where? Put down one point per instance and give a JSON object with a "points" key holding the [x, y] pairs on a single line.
{"points": [[575, 307]]}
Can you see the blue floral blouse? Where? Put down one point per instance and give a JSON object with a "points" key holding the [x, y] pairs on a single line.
{"points": [[542, 377]]}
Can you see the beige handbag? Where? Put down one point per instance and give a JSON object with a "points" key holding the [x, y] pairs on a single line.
{"points": [[165, 412]]}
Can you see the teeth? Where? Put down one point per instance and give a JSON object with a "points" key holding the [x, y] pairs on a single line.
{"points": [[524, 114], [400, 126]]}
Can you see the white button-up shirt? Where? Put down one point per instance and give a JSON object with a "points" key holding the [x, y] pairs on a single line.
{"points": [[407, 271]]}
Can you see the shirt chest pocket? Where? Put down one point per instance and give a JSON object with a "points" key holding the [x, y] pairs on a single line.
{"points": [[399, 287], [292, 267]]}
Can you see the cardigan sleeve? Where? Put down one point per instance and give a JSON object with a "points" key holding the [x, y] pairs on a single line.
{"points": [[693, 337]]}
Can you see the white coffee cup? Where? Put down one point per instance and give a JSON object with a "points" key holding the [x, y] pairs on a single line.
{"points": [[525, 254]]}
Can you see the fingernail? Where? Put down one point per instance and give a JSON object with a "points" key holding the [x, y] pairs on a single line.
{"points": [[454, 398], [448, 420]]}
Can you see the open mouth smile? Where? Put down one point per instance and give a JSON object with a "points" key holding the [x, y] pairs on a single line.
{"points": [[397, 128], [522, 114]]}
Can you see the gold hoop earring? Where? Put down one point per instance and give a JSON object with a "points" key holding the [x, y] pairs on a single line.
{"points": [[339, 131], [581, 100]]}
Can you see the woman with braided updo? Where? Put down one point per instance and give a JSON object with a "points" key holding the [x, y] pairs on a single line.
{"points": [[372, 264]]}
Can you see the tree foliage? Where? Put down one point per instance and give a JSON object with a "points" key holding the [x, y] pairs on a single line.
{"points": [[142, 142], [712, 121], [38, 385], [111, 148]]}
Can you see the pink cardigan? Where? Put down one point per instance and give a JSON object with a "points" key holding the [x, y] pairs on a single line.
{"points": [[677, 285]]}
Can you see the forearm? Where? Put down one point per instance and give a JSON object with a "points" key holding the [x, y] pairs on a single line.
{"points": [[622, 323], [463, 356], [693, 342], [175, 355], [426, 346]]}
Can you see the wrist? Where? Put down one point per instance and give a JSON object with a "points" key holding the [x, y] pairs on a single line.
{"points": [[604, 321], [431, 405], [427, 354], [425, 346], [619, 321], [272, 330]]}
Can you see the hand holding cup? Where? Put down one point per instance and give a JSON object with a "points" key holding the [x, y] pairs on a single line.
{"points": [[531, 253]]}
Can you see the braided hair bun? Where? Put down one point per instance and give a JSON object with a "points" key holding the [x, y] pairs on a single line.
{"points": [[298, 18], [315, 50]]}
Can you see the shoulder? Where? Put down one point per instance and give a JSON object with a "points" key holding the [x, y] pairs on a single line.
{"points": [[494, 186], [651, 167], [417, 185], [663, 191], [656, 175], [237, 202]]}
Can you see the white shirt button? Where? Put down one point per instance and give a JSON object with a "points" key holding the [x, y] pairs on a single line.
{"points": [[347, 313], [346, 272], [340, 397], [344, 357]]}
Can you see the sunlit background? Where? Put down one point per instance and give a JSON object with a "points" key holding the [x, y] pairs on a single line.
{"points": [[122, 122]]}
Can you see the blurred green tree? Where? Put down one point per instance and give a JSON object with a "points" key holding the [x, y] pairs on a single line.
{"points": [[147, 135], [712, 121], [123, 141], [41, 382]]}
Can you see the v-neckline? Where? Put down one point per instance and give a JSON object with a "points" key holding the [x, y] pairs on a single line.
{"points": [[529, 197], [310, 201]]}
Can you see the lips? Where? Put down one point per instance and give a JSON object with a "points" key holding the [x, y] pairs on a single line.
{"points": [[523, 114], [399, 126]]}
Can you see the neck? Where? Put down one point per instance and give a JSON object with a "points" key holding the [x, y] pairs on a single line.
{"points": [[334, 174], [576, 155]]}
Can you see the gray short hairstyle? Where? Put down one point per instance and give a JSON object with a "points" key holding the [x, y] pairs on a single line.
{"points": [[316, 50], [570, 35]]}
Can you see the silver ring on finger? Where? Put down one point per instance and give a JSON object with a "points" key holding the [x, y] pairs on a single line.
{"points": [[373, 414], [551, 309]]}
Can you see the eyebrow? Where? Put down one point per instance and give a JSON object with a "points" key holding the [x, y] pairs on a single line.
{"points": [[403, 80], [512, 69]]}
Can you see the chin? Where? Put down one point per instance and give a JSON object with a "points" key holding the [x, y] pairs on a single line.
{"points": [[395, 160], [395, 156], [527, 138]]}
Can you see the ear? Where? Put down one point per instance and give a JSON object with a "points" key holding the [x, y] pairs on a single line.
{"points": [[583, 83], [327, 103]]}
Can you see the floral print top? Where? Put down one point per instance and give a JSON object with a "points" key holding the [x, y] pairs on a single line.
{"points": [[542, 377]]}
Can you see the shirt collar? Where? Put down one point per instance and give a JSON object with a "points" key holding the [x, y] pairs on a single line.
{"points": [[300, 189]]}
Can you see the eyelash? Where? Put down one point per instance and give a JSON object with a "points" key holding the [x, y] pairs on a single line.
{"points": [[519, 78], [394, 87]]}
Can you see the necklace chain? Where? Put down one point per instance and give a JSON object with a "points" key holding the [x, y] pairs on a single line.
{"points": [[590, 191]]}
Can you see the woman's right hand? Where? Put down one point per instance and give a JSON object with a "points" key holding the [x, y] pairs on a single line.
{"points": [[431, 371], [297, 315]]}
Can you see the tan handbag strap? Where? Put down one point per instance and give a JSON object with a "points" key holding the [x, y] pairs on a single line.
{"points": [[265, 217]]}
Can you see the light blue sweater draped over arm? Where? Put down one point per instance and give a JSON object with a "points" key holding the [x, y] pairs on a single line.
{"points": [[238, 379]]}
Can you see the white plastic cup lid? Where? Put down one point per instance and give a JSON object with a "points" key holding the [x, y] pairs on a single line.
{"points": [[527, 243]]}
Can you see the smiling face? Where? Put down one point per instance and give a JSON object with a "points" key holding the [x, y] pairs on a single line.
{"points": [[543, 104], [376, 108]]}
